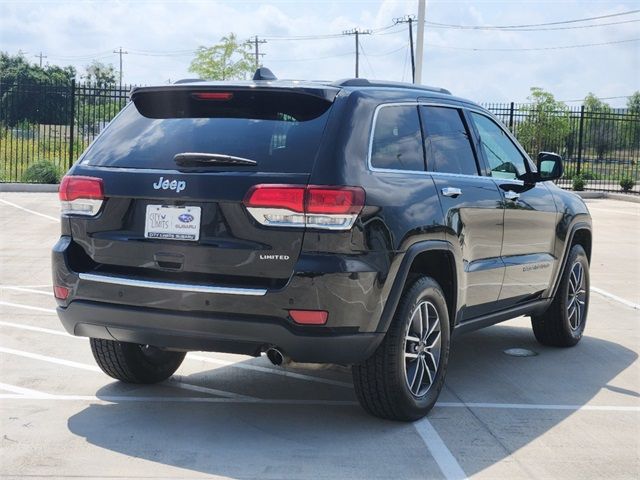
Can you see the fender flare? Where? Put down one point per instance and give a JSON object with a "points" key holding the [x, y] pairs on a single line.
{"points": [[401, 275], [565, 256]]}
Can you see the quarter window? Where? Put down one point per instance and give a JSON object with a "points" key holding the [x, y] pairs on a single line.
{"points": [[505, 160], [446, 141], [397, 141]]}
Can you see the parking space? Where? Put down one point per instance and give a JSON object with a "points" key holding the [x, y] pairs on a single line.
{"points": [[563, 413]]}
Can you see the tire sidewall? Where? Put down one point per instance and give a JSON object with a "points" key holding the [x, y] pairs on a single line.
{"points": [[577, 254], [424, 289]]}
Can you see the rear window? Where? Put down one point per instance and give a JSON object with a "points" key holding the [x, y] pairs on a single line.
{"points": [[281, 132]]}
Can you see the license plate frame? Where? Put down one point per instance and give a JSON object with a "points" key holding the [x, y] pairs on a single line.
{"points": [[171, 222]]}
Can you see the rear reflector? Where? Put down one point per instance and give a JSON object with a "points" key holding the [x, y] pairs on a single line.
{"points": [[81, 195], [220, 96], [323, 207], [309, 317], [61, 293]]}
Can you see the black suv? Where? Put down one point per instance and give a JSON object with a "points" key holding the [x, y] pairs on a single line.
{"points": [[354, 222]]}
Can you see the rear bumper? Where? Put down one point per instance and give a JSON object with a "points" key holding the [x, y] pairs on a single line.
{"points": [[187, 331], [234, 320]]}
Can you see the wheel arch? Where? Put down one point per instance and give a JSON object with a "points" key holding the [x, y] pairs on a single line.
{"points": [[579, 234], [433, 258]]}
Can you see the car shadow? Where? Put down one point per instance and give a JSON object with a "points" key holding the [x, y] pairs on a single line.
{"points": [[322, 440]]}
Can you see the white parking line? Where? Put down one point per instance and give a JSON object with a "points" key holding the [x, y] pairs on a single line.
{"points": [[448, 464], [540, 406], [611, 296], [93, 368], [55, 219], [284, 373], [21, 390], [50, 331], [44, 358], [26, 290], [27, 307]]}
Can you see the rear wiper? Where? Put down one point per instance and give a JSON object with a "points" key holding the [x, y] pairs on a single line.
{"points": [[196, 159]]}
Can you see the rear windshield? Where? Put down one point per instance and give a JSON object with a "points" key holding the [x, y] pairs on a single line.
{"points": [[281, 132]]}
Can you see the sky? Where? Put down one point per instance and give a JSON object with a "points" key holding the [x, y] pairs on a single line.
{"points": [[161, 35]]}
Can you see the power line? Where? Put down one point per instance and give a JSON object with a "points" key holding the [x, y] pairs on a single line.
{"points": [[256, 44], [40, 56], [409, 19], [563, 47], [563, 22], [574, 27], [120, 52], [599, 98], [357, 32]]}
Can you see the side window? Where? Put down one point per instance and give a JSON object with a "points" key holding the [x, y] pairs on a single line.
{"points": [[505, 160], [397, 141], [446, 141]]}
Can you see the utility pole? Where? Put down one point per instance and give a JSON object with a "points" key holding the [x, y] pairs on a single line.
{"points": [[41, 56], [420, 41], [121, 52], [357, 32], [409, 19], [257, 53]]}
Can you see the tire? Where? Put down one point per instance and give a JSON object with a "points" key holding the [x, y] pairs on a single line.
{"points": [[562, 324], [386, 384], [134, 363]]}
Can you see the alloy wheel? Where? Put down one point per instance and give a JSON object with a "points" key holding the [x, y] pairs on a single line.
{"points": [[422, 348], [576, 296]]}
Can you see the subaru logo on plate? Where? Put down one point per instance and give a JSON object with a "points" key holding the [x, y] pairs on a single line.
{"points": [[185, 218]]}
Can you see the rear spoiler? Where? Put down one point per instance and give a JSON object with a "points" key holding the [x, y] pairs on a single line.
{"points": [[324, 92], [254, 101]]}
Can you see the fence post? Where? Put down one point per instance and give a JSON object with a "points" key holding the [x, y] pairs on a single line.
{"points": [[72, 121], [580, 134], [511, 117]]}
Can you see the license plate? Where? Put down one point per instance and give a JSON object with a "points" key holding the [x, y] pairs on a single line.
{"points": [[172, 223]]}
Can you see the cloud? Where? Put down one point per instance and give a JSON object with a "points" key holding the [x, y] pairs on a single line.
{"points": [[74, 32]]}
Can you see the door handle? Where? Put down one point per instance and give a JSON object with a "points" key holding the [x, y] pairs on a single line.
{"points": [[511, 195], [451, 192]]}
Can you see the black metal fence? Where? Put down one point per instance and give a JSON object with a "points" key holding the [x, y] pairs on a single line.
{"points": [[55, 123], [600, 149]]}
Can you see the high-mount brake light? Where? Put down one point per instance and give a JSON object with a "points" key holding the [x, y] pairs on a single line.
{"points": [[81, 195], [313, 206], [220, 96]]}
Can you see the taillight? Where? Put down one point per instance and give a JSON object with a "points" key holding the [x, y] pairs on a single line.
{"points": [[323, 207], [81, 195]]}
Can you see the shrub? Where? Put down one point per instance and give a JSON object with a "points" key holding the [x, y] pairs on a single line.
{"points": [[627, 183], [41, 172], [578, 183]]}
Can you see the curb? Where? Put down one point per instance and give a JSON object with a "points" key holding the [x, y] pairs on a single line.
{"points": [[624, 197], [29, 187]]}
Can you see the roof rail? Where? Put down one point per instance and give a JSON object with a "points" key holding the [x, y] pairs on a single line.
{"points": [[363, 82], [188, 80]]}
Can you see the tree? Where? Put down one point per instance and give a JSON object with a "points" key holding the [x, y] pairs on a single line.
{"points": [[546, 125], [33, 94], [633, 108], [600, 126], [100, 75], [228, 60]]}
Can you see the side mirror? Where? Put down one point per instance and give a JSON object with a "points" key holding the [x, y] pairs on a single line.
{"points": [[549, 166]]}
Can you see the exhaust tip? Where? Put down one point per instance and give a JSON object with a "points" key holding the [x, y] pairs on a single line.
{"points": [[276, 357]]}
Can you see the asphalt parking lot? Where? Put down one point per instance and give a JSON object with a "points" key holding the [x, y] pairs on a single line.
{"points": [[564, 413]]}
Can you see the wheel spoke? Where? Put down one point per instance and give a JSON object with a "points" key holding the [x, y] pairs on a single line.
{"points": [[427, 370], [424, 316], [434, 341], [417, 377], [411, 355], [411, 338]]}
